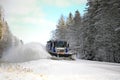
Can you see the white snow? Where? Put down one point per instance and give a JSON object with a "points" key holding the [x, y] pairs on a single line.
{"points": [[26, 52], [46, 69], [117, 29], [28, 68]]}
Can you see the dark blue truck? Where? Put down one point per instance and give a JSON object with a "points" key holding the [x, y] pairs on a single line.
{"points": [[59, 48]]}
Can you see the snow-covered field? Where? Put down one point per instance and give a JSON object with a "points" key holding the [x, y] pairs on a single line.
{"points": [[32, 62], [46, 69]]}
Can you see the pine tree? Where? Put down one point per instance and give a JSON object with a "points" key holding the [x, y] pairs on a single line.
{"points": [[77, 18], [89, 31], [6, 37], [69, 24], [70, 20], [60, 32]]}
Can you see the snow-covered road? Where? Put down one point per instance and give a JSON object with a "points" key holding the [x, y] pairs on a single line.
{"points": [[46, 69]]}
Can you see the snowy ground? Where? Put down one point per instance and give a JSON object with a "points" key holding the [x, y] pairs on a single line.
{"points": [[46, 69]]}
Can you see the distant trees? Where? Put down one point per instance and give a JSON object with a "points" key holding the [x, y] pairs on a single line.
{"points": [[96, 35], [1, 16], [4, 32], [7, 39]]}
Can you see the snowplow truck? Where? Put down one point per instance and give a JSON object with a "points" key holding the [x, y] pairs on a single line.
{"points": [[60, 50]]}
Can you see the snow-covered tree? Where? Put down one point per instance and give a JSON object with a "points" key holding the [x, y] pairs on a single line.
{"points": [[60, 32], [6, 37], [101, 21], [89, 31], [69, 24]]}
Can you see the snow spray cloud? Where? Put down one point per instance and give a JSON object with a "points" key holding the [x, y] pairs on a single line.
{"points": [[23, 53]]}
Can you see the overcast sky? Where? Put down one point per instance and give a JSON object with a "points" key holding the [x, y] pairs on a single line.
{"points": [[33, 20]]}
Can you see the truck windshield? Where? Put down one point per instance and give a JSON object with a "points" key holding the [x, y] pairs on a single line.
{"points": [[60, 44]]}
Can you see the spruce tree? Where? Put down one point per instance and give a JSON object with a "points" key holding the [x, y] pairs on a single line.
{"points": [[60, 32]]}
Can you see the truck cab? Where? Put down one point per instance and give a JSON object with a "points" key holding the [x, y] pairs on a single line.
{"points": [[58, 48]]}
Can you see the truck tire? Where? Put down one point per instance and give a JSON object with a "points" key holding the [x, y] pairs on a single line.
{"points": [[73, 57]]}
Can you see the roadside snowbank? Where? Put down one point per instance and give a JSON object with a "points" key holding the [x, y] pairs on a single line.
{"points": [[23, 53]]}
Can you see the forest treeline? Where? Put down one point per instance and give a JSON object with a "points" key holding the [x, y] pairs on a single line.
{"points": [[7, 39], [96, 35]]}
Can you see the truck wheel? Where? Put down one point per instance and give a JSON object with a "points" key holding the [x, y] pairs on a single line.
{"points": [[73, 57]]}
